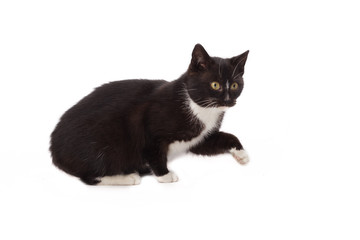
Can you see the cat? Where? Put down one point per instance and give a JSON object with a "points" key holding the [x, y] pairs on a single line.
{"points": [[126, 129]]}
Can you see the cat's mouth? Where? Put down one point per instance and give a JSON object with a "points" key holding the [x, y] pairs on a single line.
{"points": [[228, 104], [225, 103]]}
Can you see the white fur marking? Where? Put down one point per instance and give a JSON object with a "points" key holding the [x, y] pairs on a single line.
{"points": [[224, 108], [168, 178], [240, 155], [208, 116], [130, 179]]}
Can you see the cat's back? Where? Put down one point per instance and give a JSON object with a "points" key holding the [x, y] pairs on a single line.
{"points": [[126, 91], [117, 95], [130, 87]]}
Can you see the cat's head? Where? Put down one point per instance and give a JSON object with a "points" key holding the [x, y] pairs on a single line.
{"points": [[215, 82]]}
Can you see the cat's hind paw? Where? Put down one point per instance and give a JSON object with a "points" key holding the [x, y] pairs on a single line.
{"points": [[240, 155], [168, 178], [125, 180]]}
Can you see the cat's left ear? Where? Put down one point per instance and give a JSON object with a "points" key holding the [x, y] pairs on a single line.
{"points": [[238, 63]]}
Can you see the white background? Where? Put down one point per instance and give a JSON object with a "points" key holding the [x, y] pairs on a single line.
{"points": [[298, 117]]}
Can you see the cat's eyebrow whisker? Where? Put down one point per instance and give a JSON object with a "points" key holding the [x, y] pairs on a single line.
{"points": [[237, 76], [235, 69], [220, 67]]}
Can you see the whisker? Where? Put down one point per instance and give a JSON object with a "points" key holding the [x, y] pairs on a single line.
{"points": [[208, 103]]}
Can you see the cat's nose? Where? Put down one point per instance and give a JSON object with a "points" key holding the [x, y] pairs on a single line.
{"points": [[228, 102], [227, 97]]}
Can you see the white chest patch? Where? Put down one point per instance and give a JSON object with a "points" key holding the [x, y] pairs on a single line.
{"points": [[209, 117]]}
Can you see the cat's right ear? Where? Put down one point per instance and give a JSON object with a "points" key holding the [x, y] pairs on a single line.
{"points": [[200, 59]]}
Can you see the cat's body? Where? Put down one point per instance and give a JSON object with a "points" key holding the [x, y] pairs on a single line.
{"points": [[128, 128]]}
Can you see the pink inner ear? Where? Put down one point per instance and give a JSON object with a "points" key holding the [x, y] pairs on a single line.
{"points": [[203, 65]]}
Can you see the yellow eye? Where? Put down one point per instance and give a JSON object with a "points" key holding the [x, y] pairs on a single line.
{"points": [[234, 86], [215, 85]]}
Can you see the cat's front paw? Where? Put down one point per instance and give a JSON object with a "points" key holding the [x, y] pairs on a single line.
{"points": [[240, 155], [168, 178]]}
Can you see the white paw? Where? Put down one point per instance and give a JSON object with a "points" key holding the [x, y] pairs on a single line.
{"points": [[130, 179], [240, 155], [168, 178], [136, 178]]}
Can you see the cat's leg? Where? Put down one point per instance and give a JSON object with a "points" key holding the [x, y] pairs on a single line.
{"points": [[221, 142], [144, 170], [129, 179], [157, 159]]}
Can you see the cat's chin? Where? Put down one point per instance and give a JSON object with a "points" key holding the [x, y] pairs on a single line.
{"points": [[223, 108]]}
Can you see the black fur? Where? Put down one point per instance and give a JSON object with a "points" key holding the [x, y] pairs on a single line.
{"points": [[126, 126]]}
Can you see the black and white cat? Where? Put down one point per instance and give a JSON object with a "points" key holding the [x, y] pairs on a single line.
{"points": [[126, 129]]}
